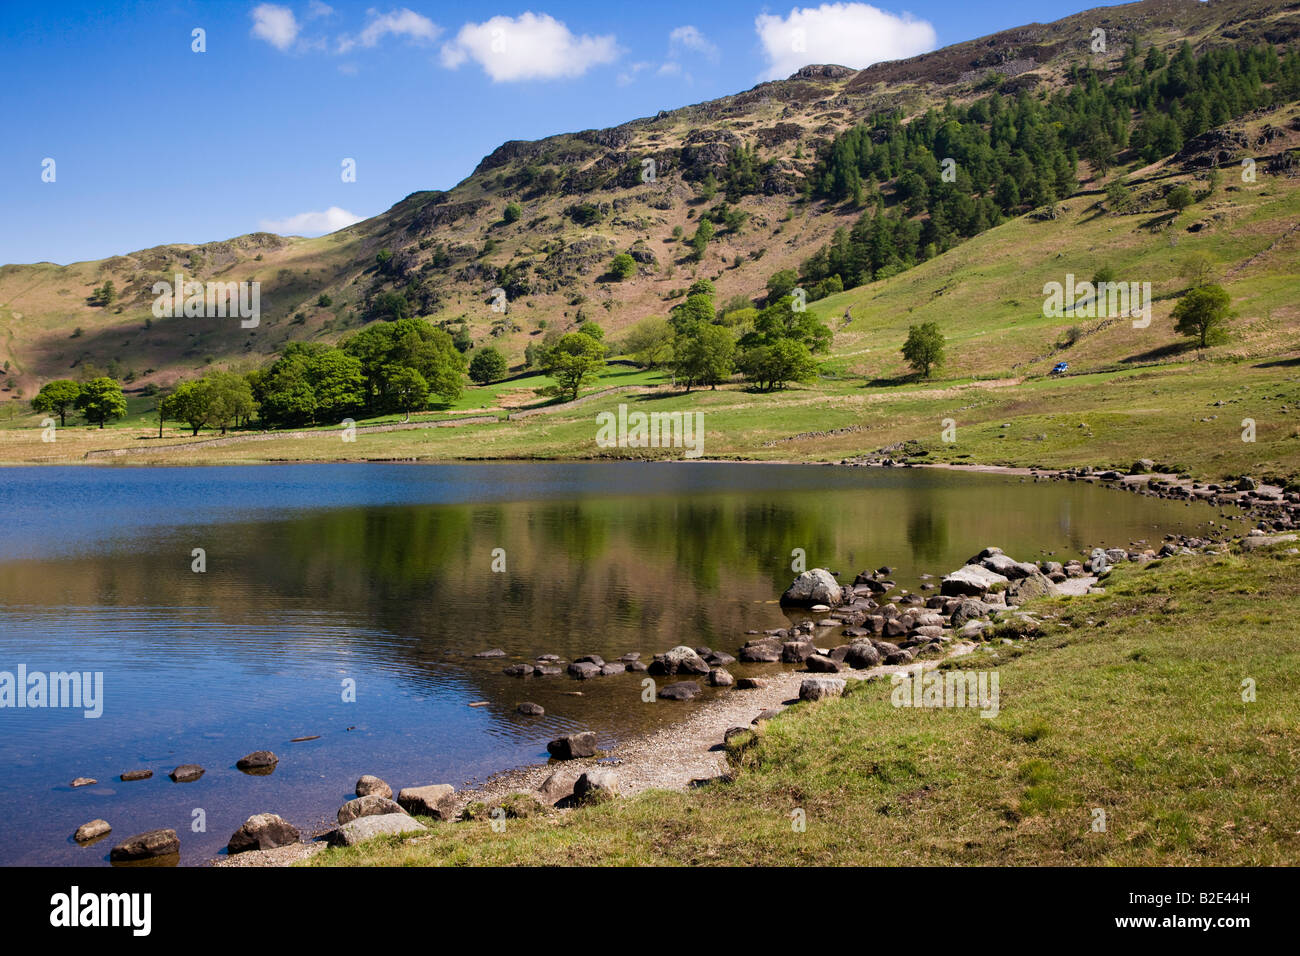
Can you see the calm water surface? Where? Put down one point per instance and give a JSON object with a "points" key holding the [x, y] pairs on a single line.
{"points": [[319, 576]]}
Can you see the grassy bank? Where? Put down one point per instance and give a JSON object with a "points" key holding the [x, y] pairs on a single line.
{"points": [[1129, 702], [1107, 419]]}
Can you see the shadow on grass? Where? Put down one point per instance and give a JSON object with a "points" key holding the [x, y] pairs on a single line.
{"points": [[1279, 363], [1156, 354], [891, 382]]}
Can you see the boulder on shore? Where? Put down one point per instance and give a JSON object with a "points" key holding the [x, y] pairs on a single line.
{"points": [[370, 785], [819, 688], [434, 800], [596, 786], [366, 828], [368, 806], [263, 831], [817, 586], [972, 581]]}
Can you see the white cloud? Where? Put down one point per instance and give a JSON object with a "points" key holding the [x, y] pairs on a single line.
{"points": [[401, 23], [629, 75], [317, 9], [311, 223], [851, 34], [527, 47], [689, 38], [276, 25]]}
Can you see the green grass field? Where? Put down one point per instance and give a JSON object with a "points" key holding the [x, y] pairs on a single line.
{"points": [[1130, 703]]}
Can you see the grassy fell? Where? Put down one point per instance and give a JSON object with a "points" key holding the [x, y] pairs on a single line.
{"points": [[1129, 702]]}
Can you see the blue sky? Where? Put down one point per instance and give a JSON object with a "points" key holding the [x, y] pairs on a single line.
{"points": [[153, 142]]}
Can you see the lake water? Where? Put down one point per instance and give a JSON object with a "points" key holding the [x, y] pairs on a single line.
{"points": [[322, 577]]}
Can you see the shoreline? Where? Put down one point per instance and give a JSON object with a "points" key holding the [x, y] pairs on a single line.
{"points": [[683, 754]]}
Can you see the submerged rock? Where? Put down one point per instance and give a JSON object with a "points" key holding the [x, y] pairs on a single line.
{"points": [[682, 690]]}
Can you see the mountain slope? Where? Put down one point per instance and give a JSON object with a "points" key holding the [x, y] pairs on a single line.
{"points": [[582, 198]]}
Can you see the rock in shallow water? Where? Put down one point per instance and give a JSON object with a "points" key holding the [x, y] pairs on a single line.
{"points": [[263, 831], [136, 775], [186, 773], [258, 760], [92, 831], [682, 690], [573, 746], [147, 846], [817, 586]]}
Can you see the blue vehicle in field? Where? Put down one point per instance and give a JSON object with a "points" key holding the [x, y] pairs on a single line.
{"points": [[1060, 368]]}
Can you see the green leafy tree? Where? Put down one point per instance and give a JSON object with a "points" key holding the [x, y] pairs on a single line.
{"points": [[781, 320], [390, 306], [1179, 198], [407, 387], [1118, 195], [57, 397], [101, 401], [703, 236], [1197, 269], [487, 365], [650, 342], [703, 354], [923, 349], [623, 266], [1203, 314], [781, 284], [190, 402], [512, 213], [696, 310], [104, 295], [775, 365], [574, 361], [230, 400]]}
